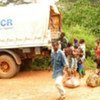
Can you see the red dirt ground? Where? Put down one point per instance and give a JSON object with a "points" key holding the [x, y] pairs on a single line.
{"points": [[39, 85]]}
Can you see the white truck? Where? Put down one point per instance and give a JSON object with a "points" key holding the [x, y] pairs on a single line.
{"points": [[25, 29]]}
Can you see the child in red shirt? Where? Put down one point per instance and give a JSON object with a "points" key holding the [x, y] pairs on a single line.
{"points": [[97, 54]]}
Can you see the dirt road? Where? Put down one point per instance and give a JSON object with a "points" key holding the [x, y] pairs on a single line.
{"points": [[40, 86]]}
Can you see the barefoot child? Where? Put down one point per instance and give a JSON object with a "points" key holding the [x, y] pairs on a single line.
{"points": [[80, 64]]}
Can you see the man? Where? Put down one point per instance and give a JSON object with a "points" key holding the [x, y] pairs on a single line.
{"points": [[59, 62], [63, 41]]}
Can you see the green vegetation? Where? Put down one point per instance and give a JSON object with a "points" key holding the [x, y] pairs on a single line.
{"points": [[84, 13], [89, 63], [39, 63], [81, 20]]}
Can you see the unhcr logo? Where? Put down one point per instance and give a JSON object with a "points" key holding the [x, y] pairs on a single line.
{"points": [[6, 23]]}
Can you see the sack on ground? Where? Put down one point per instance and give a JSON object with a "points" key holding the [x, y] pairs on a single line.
{"points": [[72, 82], [93, 80]]}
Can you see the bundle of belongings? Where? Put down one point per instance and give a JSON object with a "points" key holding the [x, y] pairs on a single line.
{"points": [[70, 81], [93, 80]]}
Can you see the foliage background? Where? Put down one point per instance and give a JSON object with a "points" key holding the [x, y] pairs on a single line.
{"points": [[81, 20]]}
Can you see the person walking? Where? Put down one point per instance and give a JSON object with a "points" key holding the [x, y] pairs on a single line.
{"points": [[59, 63]]}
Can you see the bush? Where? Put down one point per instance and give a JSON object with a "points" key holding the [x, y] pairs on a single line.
{"points": [[83, 13], [89, 63], [40, 63], [81, 20], [80, 32]]}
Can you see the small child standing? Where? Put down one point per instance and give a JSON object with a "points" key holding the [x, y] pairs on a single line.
{"points": [[74, 58], [80, 64], [83, 47], [75, 42], [80, 68]]}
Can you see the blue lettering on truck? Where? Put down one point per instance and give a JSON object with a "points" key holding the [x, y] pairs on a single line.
{"points": [[6, 23]]}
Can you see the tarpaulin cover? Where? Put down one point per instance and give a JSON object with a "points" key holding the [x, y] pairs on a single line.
{"points": [[24, 25]]}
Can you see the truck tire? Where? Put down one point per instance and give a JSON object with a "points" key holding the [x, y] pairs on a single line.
{"points": [[18, 69], [8, 67]]}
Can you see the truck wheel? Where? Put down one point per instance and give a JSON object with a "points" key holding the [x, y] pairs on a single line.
{"points": [[18, 69], [8, 67]]}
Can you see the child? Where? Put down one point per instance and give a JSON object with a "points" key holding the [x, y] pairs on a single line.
{"points": [[80, 65], [75, 52], [80, 68], [75, 42], [83, 47], [71, 55], [63, 40], [69, 75]]}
